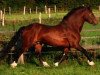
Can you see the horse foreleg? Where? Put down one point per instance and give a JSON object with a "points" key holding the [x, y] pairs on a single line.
{"points": [[38, 48], [75, 56], [63, 57], [90, 62]]}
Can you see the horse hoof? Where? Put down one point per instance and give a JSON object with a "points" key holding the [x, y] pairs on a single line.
{"points": [[14, 64], [56, 64], [45, 64], [91, 63]]}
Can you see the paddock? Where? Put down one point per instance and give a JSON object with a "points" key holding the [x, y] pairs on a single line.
{"points": [[90, 41]]}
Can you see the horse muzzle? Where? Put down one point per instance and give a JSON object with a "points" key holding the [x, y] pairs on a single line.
{"points": [[96, 21]]}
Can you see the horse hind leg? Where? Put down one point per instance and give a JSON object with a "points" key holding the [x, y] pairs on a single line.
{"points": [[17, 54], [38, 48]]}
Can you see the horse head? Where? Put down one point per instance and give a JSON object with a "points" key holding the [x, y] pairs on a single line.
{"points": [[89, 16]]}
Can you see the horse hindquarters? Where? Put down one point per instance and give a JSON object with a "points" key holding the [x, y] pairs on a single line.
{"points": [[12, 43]]}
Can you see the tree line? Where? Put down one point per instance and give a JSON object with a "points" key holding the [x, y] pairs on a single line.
{"points": [[16, 4]]}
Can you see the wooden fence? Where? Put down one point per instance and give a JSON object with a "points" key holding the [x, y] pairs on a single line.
{"points": [[37, 9], [47, 10]]}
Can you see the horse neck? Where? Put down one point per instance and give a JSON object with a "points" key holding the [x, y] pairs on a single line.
{"points": [[74, 23]]}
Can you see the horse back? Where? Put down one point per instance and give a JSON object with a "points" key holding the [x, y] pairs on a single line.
{"points": [[39, 32]]}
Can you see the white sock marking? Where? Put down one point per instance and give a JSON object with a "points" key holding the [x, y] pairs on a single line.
{"points": [[45, 64], [91, 63], [64, 54], [14, 64], [56, 64]]}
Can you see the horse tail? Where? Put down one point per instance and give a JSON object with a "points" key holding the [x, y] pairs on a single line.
{"points": [[6, 49]]}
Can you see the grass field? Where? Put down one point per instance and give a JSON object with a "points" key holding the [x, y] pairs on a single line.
{"points": [[70, 68], [15, 21]]}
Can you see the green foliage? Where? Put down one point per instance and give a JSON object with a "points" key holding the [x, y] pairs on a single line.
{"points": [[16, 4]]}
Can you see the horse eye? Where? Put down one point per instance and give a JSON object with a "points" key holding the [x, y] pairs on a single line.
{"points": [[91, 14]]}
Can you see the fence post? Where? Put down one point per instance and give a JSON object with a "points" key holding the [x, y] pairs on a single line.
{"points": [[55, 9], [9, 10], [49, 12], [24, 10], [99, 7], [0, 14], [36, 9], [21, 59], [4, 11], [30, 11], [40, 17], [3, 20], [45, 9]]}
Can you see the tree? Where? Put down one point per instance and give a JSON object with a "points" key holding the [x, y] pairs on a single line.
{"points": [[16, 4]]}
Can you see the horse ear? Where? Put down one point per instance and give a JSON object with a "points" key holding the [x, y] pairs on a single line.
{"points": [[88, 6]]}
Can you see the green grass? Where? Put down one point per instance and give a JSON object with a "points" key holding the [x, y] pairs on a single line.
{"points": [[15, 21], [32, 16], [70, 68]]}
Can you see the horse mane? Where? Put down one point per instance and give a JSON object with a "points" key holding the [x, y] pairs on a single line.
{"points": [[73, 11]]}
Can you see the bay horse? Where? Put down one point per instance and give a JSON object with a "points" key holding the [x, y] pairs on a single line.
{"points": [[65, 35]]}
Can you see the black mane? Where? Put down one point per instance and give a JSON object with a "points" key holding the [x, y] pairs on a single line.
{"points": [[74, 10]]}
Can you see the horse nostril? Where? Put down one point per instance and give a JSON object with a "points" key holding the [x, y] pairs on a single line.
{"points": [[96, 22]]}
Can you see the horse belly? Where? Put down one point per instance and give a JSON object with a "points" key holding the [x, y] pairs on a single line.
{"points": [[56, 41]]}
